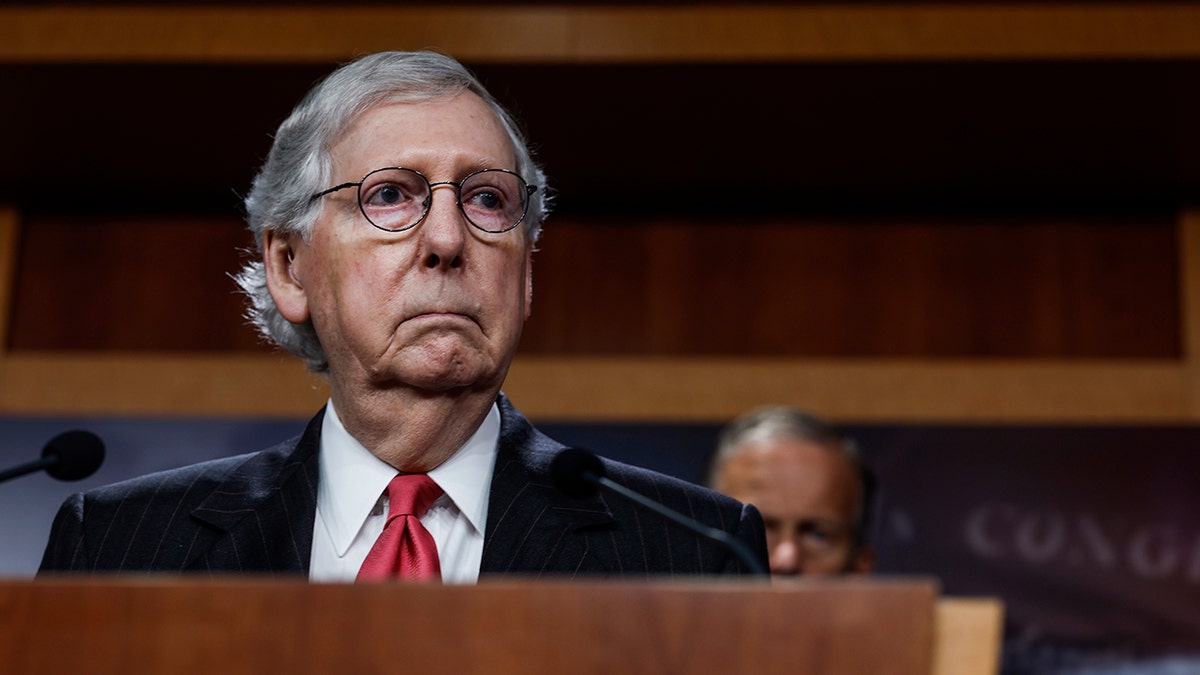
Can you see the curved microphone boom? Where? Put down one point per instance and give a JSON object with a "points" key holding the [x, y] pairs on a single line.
{"points": [[71, 455], [579, 473]]}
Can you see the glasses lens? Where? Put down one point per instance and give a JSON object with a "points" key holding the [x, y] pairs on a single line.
{"points": [[494, 200], [394, 199]]}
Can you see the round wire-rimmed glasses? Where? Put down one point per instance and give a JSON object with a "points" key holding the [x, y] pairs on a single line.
{"points": [[395, 199]]}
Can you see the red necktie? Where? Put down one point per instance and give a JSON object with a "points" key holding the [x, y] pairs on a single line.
{"points": [[405, 549]]}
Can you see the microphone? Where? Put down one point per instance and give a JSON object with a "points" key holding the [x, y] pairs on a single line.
{"points": [[71, 455], [579, 473]]}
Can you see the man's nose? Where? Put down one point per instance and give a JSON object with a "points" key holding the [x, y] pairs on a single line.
{"points": [[443, 234], [785, 557]]}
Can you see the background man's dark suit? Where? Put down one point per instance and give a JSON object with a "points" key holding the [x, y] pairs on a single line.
{"points": [[255, 513]]}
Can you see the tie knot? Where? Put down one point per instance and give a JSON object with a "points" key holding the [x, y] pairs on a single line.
{"points": [[411, 494]]}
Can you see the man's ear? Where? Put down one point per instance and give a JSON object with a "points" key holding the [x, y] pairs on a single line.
{"points": [[284, 263], [864, 562]]}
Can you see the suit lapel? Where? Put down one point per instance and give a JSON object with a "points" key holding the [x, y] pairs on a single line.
{"points": [[532, 528], [260, 519]]}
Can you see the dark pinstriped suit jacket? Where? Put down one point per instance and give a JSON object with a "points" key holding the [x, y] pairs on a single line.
{"points": [[254, 513]]}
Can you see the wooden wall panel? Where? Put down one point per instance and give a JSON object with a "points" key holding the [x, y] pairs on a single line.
{"points": [[10, 228], [937, 288], [130, 283], [603, 32], [1032, 287], [885, 108]]}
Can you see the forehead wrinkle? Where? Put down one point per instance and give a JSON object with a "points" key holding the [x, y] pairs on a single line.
{"points": [[371, 128]]}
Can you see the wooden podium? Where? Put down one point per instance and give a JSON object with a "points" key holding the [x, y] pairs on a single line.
{"points": [[179, 626]]}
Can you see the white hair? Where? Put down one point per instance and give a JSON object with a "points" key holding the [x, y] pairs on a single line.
{"points": [[299, 165]]}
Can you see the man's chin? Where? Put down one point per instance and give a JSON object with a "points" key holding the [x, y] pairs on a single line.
{"points": [[448, 376], [439, 362], [448, 384]]}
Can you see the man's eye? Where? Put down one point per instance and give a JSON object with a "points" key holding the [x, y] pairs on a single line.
{"points": [[389, 195], [385, 196], [488, 200], [819, 532]]}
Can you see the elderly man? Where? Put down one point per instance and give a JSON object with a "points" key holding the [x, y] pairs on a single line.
{"points": [[809, 484], [396, 216]]}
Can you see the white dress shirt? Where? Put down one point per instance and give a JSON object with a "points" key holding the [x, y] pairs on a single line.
{"points": [[352, 503]]}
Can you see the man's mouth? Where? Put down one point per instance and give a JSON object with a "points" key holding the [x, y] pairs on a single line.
{"points": [[441, 316]]}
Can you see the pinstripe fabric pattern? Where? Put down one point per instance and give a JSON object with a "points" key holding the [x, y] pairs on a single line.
{"points": [[254, 514], [534, 530], [247, 514]]}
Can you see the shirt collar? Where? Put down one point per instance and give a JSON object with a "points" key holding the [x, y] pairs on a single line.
{"points": [[352, 479]]}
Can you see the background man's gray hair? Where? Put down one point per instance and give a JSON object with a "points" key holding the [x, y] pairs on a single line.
{"points": [[775, 422], [298, 166]]}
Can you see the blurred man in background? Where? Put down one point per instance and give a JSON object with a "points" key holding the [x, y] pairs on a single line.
{"points": [[810, 485]]}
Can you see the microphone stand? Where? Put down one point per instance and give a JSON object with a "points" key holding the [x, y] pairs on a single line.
{"points": [[28, 467], [739, 549]]}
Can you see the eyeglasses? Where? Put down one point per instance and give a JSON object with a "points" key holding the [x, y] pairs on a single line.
{"points": [[397, 199]]}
